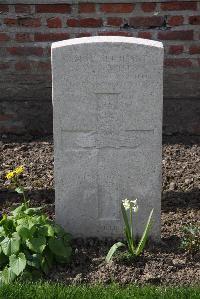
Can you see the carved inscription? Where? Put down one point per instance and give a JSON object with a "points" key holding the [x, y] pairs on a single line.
{"points": [[108, 139]]}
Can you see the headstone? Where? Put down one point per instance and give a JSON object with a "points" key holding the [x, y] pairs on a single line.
{"points": [[107, 102]]}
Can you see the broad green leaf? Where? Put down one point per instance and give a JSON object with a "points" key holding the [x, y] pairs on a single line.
{"points": [[3, 220], [36, 244], [144, 237], [17, 263], [58, 247], [62, 259], [23, 232], [59, 230], [18, 210], [45, 230], [11, 245], [23, 222], [33, 260], [112, 250], [49, 257], [19, 190], [7, 276], [2, 232], [44, 265], [32, 211]]}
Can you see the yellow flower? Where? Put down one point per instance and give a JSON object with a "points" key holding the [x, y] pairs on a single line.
{"points": [[19, 170], [10, 175]]}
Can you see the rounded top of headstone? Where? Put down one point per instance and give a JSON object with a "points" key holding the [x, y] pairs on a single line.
{"points": [[107, 39]]}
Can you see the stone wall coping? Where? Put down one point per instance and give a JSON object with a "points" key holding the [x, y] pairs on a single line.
{"points": [[107, 39]]}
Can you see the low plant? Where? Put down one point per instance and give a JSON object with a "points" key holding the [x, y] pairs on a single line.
{"points": [[128, 208], [191, 238], [30, 243]]}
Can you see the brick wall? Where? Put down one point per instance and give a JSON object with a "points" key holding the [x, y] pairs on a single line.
{"points": [[27, 31]]}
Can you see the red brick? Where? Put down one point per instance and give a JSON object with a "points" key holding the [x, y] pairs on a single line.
{"points": [[29, 22], [44, 66], [40, 37], [53, 8], [25, 51], [146, 22], [176, 49], [10, 22], [73, 23], [83, 34], [115, 21], [4, 8], [4, 66], [176, 35], [87, 7], [175, 21], [115, 33], [91, 22], [54, 22], [176, 5], [148, 7], [23, 37], [194, 49], [180, 62], [117, 7], [4, 37], [5, 117], [22, 8], [194, 20], [146, 35], [22, 66]]}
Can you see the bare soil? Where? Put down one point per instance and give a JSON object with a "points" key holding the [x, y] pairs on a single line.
{"points": [[164, 263]]}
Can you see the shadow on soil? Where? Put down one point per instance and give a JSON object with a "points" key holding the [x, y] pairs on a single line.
{"points": [[172, 200]]}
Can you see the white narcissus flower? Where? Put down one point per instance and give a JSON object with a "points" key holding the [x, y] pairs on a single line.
{"points": [[126, 204], [130, 204], [134, 205]]}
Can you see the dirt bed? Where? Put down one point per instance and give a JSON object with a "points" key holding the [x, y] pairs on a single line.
{"points": [[165, 263]]}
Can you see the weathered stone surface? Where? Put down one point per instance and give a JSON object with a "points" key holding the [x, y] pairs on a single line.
{"points": [[107, 102]]}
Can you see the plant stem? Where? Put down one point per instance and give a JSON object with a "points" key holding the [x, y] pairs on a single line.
{"points": [[131, 224], [24, 198]]}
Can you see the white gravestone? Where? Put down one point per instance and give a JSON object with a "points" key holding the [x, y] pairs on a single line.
{"points": [[107, 102]]}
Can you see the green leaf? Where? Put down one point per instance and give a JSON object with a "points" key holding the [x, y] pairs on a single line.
{"points": [[33, 260], [62, 259], [126, 222], [58, 247], [45, 230], [18, 210], [49, 257], [19, 190], [44, 265], [11, 245], [23, 232], [112, 250], [7, 276], [144, 237], [36, 244], [32, 211], [17, 263]]}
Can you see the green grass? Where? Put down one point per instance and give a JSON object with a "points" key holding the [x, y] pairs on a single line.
{"points": [[60, 291]]}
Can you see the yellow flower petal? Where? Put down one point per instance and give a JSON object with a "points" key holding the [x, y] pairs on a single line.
{"points": [[19, 170], [10, 175]]}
